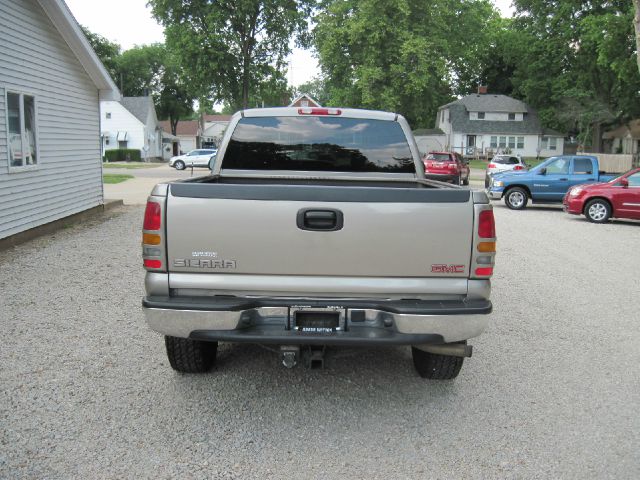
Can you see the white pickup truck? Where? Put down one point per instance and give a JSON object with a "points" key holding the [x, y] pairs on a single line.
{"points": [[317, 228]]}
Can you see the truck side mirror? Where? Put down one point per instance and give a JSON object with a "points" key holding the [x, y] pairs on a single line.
{"points": [[543, 171], [624, 182]]}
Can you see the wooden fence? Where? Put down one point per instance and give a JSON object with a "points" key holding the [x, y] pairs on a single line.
{"points": [[612, 162]]}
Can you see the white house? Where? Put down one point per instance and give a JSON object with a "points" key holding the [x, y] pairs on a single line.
{"points": [[623, 139], [213, 127], [486, 124], [51, 83], [131, 123], [188, 133]]}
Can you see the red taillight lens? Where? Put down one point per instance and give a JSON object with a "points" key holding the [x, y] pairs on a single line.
{"points": [[518, 167], [429, 164], [152, 216], [319, 111], [491, 165], [453, 166], [152, 263], [484, 271], [486, 224]]}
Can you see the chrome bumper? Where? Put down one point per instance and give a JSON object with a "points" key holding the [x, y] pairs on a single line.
{"points": [[494, 195], [265, 324]]}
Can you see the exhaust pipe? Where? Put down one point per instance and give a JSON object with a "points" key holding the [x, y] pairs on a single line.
{"points": [[450, 349]]}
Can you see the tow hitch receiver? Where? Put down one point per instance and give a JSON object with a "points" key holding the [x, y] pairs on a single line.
{"points": [[289, 355]]}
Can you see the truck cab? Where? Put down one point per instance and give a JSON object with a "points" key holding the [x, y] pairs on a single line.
{"points": [[546, 183]]}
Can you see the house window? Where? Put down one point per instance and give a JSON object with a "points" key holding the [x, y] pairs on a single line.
{"points": [[512, 142], [122, 144], [512, 116], [305, 103], [480, 115], [520, 142], [22, 130], [549, 143], [503, 142], [108, 115], [494, 142]]}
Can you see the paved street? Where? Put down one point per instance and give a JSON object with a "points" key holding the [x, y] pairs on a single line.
{"points": [[552, 390]]}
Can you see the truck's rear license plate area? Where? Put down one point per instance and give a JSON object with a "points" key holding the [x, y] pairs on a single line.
{"points": [[317, 320]]}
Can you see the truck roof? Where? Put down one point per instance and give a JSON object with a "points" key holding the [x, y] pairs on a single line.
{"points": [[334, 112]]}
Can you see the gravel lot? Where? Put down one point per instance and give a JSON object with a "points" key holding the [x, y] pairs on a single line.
{"points": [[552, 391]]}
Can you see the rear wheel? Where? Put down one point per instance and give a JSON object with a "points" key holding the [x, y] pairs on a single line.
{"points": [[435, 366], [179, 165], [516, 198], [456, 180], [190, 356], [597, 210], [465, 181]]}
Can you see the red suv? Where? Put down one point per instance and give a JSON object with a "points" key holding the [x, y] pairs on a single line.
{"points": [[446, 167]]}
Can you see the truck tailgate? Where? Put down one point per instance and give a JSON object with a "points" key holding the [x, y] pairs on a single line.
{"points": [[255, 230]]}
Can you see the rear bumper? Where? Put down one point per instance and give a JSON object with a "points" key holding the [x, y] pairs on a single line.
{"points": [[270, 320], [442, 177]]}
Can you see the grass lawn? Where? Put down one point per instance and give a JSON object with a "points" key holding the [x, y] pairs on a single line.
{"points": [[115, 178], [130, 165]]}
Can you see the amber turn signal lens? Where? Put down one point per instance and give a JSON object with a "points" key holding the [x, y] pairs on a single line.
{"points": [[151, 239], [487, 246]]}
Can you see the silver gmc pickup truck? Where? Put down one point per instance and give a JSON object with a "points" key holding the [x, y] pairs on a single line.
{"points": [[315, 228]]}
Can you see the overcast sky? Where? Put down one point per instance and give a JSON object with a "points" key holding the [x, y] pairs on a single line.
{"points": [[129, 23]]}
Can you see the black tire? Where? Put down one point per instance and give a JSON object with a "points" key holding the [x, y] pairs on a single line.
{"points": [[179, 165], [516, 198], [465, 182], [456, 180], [436, 367], [190, 356], [487, 180], [597, 210]]}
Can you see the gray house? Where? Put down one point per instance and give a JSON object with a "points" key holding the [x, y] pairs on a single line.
{"points": [[485, 123], [51, 83]]}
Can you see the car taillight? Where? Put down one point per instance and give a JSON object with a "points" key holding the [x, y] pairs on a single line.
{"points": [[491, 165], [153, 252], [319, 111], [486, 224], [453, 166], [152, 216], [518, 167]]}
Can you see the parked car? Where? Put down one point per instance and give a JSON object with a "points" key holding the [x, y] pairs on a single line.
{"points": [[196, 158], [546, 183], [503, 163], [618, 198], [290, 243], [447, 167]]}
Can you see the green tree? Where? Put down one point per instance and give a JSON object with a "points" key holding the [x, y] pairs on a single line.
{"points": [[107, 51], [576, 62], [409, 56], [228, 48]]}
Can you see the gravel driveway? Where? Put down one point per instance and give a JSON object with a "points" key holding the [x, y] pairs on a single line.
{"points": [[552, 391]]}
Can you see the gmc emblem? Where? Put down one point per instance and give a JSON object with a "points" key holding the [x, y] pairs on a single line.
{"points": [[447, 268]]}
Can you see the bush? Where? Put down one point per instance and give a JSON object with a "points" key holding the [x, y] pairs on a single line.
{"points": [[122, 155]]}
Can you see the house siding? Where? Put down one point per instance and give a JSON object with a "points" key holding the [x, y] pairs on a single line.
{"points": [[121, 120], [36, 60]]}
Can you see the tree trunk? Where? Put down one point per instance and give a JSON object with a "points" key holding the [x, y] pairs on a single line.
{"points": [[636, 24], [245, 81], [174, 124]]}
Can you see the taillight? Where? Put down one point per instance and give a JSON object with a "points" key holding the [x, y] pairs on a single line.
{"points": [[152, 216], [486, 224], [518, 167], [491, 165], [153, 256], [319, 111], [484, 243], [453, 166], [152, 263], [429, 164]]}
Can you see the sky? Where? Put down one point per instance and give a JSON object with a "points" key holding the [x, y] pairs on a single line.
{"points": [[129, 23]]}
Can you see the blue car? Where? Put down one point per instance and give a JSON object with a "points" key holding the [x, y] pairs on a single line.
{"points": [[546, 183]]}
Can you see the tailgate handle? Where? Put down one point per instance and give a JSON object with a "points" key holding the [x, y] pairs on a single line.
{"points": [[328, 220]]}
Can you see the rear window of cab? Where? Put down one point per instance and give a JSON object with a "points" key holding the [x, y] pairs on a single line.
{"points": [[317, 143], [440, 157]]}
